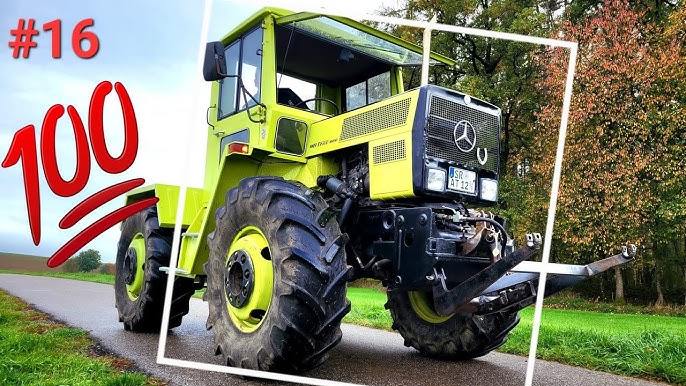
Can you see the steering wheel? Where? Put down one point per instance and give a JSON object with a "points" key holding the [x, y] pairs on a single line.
{"points": [[320, 99]]}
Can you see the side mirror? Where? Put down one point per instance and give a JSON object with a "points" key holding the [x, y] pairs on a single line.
{"points": [[214, 67]]}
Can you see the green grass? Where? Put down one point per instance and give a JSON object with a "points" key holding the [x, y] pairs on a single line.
{"points": [[37, 351], [567, 301], [93, 277], [634, 345], [367, 308]]}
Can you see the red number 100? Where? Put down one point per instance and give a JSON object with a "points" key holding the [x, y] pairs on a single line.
{"points": [[23, 148]]}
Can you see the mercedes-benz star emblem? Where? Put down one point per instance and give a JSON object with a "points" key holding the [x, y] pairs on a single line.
{"points": [[465, 136]]}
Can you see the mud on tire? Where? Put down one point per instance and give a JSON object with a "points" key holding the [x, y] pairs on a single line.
{"points": [[144, 313], [308, 297], [460, 337]]}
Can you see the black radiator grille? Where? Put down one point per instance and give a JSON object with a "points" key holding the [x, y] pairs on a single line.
{"points": [[444, 115]]}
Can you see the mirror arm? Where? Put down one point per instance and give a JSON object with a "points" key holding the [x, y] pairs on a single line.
{"points": [[219, 70]]}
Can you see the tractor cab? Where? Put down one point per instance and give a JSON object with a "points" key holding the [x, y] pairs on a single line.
{"points": [[288, 71]]}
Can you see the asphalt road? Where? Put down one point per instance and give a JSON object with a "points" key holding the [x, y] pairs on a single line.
{"points": [[364, 356]]}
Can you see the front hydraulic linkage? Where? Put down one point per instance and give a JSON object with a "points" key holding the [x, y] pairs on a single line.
{"points": [[518, 289], [447, 301]]}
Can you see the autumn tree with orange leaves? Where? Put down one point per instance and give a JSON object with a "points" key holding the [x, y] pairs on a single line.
{"points": [[624, 167]]}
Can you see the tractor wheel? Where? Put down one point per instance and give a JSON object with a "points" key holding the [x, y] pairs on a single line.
{"points": [[276, 278], [458, 336], [139, 285]]}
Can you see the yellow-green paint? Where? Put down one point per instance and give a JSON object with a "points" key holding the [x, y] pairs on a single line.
{"points": [[232, 170], [251, 240], [391, 179], [397, 85], [304, 173], [134, 289], [190, 241], [169, 200], [424, 309], [325, 135]]}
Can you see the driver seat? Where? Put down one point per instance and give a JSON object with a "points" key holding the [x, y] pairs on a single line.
{"points": [[286, 96]]}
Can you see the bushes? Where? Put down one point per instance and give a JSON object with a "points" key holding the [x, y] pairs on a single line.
{"points": [[87, 261], [106, 269]]}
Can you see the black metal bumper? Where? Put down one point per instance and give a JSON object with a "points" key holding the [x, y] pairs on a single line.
{"points": [[411, 241]]}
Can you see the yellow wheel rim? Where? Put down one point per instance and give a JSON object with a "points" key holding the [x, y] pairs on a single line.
{"points": [[250, 316], [423, 307], [138, 244]]}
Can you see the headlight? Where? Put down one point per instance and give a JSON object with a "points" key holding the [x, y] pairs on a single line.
{"points": [[436, 180], [488, 190]]}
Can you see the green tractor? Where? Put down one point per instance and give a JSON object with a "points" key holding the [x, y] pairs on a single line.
{"points": [[322, 169]]}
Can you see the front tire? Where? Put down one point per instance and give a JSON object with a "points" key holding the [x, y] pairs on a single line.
{"points": [[457, 337], [276, 278], [139, 285]]}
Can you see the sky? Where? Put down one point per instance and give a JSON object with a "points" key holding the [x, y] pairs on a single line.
{"points": [[151, 47]]}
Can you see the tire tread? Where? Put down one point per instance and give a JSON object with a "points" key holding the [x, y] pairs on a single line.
{"points": [[302, 324]]}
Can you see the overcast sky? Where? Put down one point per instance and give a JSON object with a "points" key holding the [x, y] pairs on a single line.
{"points": [[149, 46]]}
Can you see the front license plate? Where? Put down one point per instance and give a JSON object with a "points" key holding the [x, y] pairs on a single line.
{"points": [[462, 180]]}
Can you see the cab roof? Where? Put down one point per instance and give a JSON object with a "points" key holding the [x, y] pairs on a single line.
{"points": [[341, 31]]}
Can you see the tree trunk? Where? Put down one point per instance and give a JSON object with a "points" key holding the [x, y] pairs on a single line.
{"points": [[682, 252], [601, 281], [619, 286], [658, 286]]}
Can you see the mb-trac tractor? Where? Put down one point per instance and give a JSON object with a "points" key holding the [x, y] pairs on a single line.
{"points": [[322, 169]]}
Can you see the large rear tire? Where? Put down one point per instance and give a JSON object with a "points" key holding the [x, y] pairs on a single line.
{"points": [[276, 278], [458, 336], [139, 285]]}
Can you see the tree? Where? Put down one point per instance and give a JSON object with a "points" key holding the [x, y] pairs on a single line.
{"points": [[624, 170], [624, 164], [107, 269], [70, 266], [88, 260]]}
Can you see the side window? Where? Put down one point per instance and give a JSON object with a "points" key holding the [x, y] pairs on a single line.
{"points": [[372, 90], [291, 136], [243, 58], [251, 67], [228, 87]]}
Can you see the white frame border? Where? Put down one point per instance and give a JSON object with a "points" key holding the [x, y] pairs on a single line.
{"points": [[427, 26]]}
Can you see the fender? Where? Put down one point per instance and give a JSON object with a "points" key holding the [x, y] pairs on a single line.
{"points": [[168, 203]]}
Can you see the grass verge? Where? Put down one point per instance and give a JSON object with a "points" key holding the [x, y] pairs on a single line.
{"points": [[367, 309], [645, 346], [34, 350], [568, 301], [93, 277]]}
